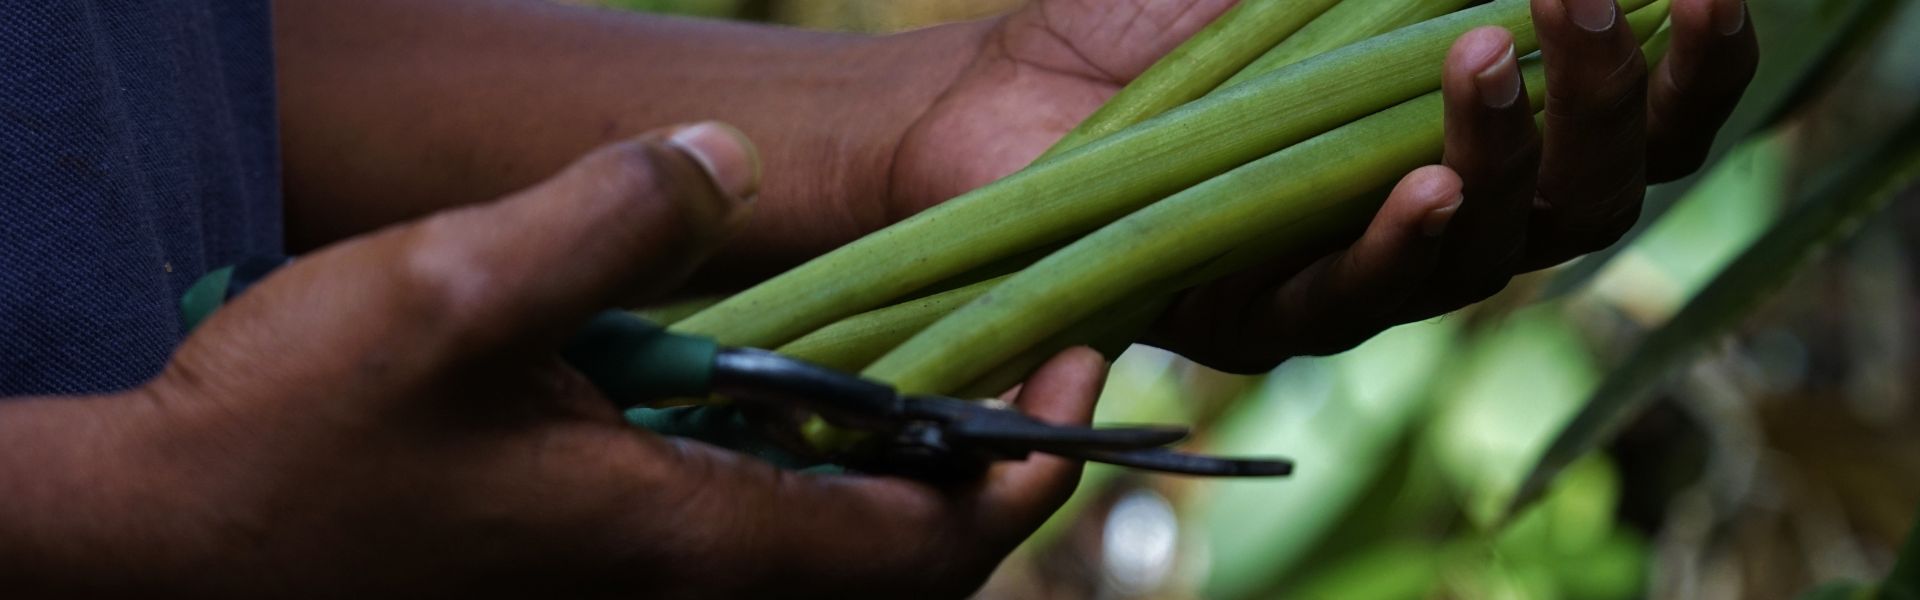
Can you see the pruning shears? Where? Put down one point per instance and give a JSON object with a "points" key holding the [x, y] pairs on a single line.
{"points": [[635, 362]]}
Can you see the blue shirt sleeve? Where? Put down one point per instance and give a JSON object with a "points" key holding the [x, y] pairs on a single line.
{"points": [[138, 149]]}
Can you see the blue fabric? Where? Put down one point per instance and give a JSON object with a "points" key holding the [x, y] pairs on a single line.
{"points": [[138, 149]]}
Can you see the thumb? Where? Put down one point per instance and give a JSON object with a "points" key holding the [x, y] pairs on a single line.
{"points": [[629, 221]]}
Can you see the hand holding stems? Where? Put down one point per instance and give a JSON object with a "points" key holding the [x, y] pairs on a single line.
{"points": [[1507, 199], [859, 132], [389, 415]]}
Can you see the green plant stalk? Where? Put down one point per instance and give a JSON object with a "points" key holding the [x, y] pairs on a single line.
{"points": [[1158, 242], [1223, 48], [667, 314], [1112, 329], [1103, 180], [1166, 238], [854, 342], [1109, 331], [1650, 25], [1104, 327], [1345, 23], [850, 343]]}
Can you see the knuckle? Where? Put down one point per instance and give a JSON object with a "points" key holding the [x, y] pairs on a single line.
{"points": [[1622, 90], [619, 174], [440, 283], [645, 184]]}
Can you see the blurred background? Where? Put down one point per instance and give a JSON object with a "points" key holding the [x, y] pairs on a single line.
{"points": [[1753, 352]]}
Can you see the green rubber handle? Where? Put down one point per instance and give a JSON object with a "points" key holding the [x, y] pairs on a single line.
{"points": [[632, 360]]}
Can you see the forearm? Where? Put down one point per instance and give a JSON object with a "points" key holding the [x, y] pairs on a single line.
{"points": [[395, 108]]}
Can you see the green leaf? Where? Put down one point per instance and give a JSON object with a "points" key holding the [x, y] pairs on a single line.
{"points": [[1831, 209], [1341, 419], [1405, 569], [1840, 590], [1514, 389], [1903, 583]]}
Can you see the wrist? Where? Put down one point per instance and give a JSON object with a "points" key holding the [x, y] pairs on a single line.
{"points": [[82, 507], [924, 66], [828, 178]]}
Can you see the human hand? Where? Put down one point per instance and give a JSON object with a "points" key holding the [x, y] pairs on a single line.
{"points": [[388, 415], [1505, 201]]}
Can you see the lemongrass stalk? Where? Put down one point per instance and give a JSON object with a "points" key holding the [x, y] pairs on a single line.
{"points": [[1103, 180], [1649, 24], [667, 314], [1164, 239], [1109, 331], [1345, 23], [1655, 48], [850, 343], [1223, 48], [854, 342], [1219, 227]]}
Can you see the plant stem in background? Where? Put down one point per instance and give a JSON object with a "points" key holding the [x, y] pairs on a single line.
{"points": [[1347, 22], [1103, 180], [1197, 66]]}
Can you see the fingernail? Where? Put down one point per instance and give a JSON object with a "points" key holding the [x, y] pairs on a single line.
{"points": [[1499, 83], [1592, 15], [1729, 16], [725, 154], [1434, 223]]}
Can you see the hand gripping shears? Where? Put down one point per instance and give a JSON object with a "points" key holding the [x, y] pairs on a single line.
{"points": [[635, 362]]}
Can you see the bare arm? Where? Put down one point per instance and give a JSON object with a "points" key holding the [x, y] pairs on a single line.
{"points": [[392, 109], [389, 417]]}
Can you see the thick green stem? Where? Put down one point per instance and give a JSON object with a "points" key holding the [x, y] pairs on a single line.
{"points": [[1197, 66], [850, 343], [1109, 331], [854, 342], [1082, 189], [1161, 241], [1218, 227], [1347, 22]]}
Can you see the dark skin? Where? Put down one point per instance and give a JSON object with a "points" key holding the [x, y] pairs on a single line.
{"points": [[859, 132], [387, 415]]}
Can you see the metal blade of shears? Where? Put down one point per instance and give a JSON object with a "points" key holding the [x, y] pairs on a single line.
{"points": [[980, 424], [1170, 461]]}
